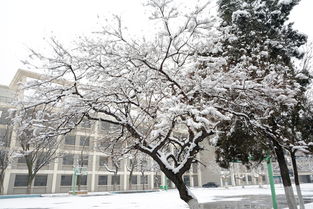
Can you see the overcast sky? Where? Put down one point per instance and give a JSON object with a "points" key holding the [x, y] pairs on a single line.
{"points": [[26, 23]]}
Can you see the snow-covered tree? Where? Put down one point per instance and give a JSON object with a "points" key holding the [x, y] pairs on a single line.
{"points": [[144, 165], [6, 154], [115, 152], [187, 78], [259, 48], [36, 148], [82, 160], [294, 125], [237, 142], [141, 163], [131, 167], [147, 87]]}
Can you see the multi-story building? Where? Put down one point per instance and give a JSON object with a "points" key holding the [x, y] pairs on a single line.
{"points": [[81, 145]]}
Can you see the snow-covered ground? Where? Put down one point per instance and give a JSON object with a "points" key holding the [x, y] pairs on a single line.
{"points": [[153, 200]]}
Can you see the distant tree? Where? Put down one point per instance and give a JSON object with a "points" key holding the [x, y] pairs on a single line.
{"points": [[131, 167], [36, 148], [139, 162], [116, 161], [144, 166], [83, 156], [115, 152], [6, 154]]}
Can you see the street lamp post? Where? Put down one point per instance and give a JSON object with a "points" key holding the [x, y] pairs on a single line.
{"points": [[271, 179]]}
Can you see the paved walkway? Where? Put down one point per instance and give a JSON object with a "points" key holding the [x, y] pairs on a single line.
{"points": [[251, 201]]}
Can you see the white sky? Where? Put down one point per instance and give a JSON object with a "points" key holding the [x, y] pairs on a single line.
{"points": [[26, 23]]}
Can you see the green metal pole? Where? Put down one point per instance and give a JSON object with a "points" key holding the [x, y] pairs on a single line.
{"points": [[74, 179], [271, 179]]}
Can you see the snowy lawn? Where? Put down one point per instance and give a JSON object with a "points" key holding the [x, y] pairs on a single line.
{"points": [[154, 200]]}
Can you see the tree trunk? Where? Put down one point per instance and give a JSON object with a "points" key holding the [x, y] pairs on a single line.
{"points": [[260, 181], [184, 193], [30, 179], [78, 182], [242, 182], [115, 180], [130, 180], [1, 181], [31, 174], [296, 176], [143, 180], [284, 172]]}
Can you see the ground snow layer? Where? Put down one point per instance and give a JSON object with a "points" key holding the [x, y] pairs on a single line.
{"points": [[154, 200]]}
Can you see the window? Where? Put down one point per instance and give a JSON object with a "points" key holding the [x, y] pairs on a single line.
{"points": [[105, 144], [103, 180], [117, 164], [69, 140], [84, 141], [66, 180], [134, 180], [5, 135], [144, 179], [105, 126], [83, 160], [41, 180], [187, 180], [195, 168], [20, 180], [43, 158], [118, 145], [82, 179], [68, 159], [21, 159], [263, 178], [86, 124], [195, 181], [4, 116], [114, 127], [157, 181], [6, 99], [116, 180], [103, 161]]}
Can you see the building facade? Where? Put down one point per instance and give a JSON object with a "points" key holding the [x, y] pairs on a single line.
{"points": [[80, 148]]}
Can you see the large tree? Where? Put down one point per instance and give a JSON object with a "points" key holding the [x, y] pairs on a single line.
{"points": [[144, 86], [295, 128], [183, 80], [259, 48]]}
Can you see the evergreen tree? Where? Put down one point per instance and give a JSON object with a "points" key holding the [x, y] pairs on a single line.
{"points": [[295, 125], [230, 146], [259, 48]]}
